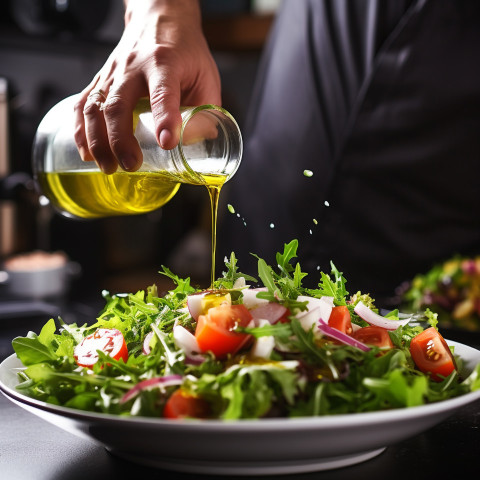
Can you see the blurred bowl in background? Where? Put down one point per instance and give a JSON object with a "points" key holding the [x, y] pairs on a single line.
{"points": [[38, 275]]}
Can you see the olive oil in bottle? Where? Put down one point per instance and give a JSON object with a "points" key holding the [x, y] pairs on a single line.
{"points": [[92, 194]]}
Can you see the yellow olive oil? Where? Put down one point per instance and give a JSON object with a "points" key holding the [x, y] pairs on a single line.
{"points": [[92, 194], [214, 299]]}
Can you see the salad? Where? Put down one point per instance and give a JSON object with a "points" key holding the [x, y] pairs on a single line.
{"points": [[452, 288], [243, 349]]}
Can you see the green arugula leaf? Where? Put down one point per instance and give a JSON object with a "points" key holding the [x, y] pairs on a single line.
{"points": [[232, 275], [37, 348], [432, 318], [30, 350], [396, 390], [298, 276], [473, 380], [280, 330], [289, 252], [331, 288], [183, 287], [266, 275]]}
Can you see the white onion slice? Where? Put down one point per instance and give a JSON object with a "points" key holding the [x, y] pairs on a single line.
{"points": [[377, 320], [194, 304], [146, 342], [163, 382], [187, 343], [314, 302], [240, 283], [316, 308], [263, 346], [250, 299], [340, 336], [309, 318]]}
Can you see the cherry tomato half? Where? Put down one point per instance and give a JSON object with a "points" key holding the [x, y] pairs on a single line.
{"points": [[431, 354], [215, 330], [375, 336], [108, 340], [182, 404], [340, 319]]}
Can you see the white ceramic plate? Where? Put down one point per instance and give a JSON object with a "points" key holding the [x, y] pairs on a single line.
{"points": [[247, 447]]}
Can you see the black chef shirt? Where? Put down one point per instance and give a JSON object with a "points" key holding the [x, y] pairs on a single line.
{"points": [[380, 100]]}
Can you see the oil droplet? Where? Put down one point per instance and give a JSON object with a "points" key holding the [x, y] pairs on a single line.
{"points": [[308, 173], [315, 221], [272, 225], [43, 200], [326, 203], [230, 208]]}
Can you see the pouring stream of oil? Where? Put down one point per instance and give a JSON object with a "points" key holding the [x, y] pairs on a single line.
{"points": [[214, 184]]}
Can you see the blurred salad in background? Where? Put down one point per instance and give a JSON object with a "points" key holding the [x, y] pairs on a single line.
{"points": [[451, 289]]}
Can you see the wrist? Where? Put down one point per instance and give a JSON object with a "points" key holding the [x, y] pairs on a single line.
{"points": [[184, 10]]}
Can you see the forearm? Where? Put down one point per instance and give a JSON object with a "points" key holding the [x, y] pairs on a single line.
{"points": [[163, 22]]}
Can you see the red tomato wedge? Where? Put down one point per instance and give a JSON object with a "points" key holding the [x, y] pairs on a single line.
{"points": [[431, 354], [108, 340], [374, 336], [182, 404], [340, 319], [215, 330]]}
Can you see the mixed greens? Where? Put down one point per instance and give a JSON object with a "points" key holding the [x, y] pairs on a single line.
{"points": [[278, 352]]}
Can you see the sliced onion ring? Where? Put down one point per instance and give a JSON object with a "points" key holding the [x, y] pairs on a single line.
{"points": [[375, 319], [146, 342], [340, 336], [270, 311], [167, 381]]}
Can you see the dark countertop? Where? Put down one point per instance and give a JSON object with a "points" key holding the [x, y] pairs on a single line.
{"points": [[33, 449]]}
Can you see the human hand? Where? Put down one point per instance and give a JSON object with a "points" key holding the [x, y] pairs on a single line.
{"points": [[162, 55]]}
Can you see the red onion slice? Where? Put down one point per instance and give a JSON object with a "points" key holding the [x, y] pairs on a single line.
{"points": [[375, 319], [270, 311], [167, 381], [340, 336]]}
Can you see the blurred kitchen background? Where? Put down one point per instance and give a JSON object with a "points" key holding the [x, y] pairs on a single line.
{"points": [[50, 49]]}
